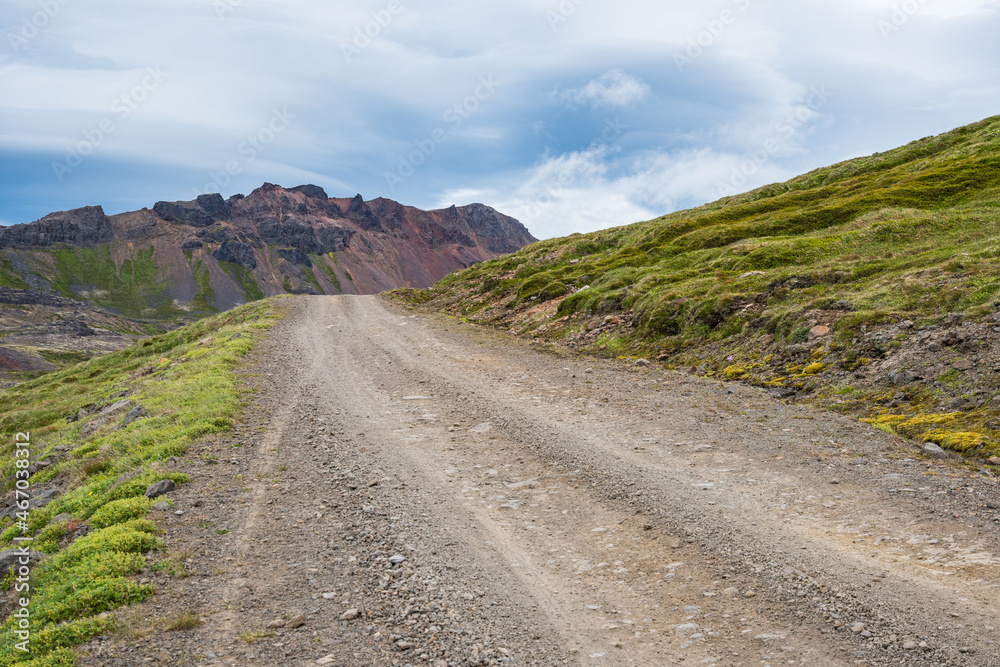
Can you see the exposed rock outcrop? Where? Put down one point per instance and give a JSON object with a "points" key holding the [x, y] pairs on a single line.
{"points": [[204, 211], [87, 226], [236, 253]]}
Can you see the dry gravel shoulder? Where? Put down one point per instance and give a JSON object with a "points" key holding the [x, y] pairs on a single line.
{"points": [[407, 489]]}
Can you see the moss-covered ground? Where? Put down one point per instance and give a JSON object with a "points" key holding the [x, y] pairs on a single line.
{"points": [[185, 381], [728, 288]]}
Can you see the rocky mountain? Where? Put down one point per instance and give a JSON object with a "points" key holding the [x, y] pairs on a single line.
{"points": [[210, 254]]}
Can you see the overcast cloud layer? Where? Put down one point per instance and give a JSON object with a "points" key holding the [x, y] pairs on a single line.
{"points": [[570, 115]]}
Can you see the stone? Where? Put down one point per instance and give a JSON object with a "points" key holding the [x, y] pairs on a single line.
{"points": [[641, 363], [296, 622], [114, 409], [65, 517], [901, 377], [934, 450], [161, 507], [160, 488], [686, 629], [327, 660], [909, 645], [858, 627], [350, 615], [90, 428], [963, 365], [135, 413], [14, 558], [329, 596], [819, 332], [397, 559]]}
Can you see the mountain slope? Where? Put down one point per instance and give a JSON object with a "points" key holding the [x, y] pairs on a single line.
{"points": [[212, 254], [822, 287]]}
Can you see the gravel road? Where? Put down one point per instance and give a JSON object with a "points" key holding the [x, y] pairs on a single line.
{"points": [[408, 489]]}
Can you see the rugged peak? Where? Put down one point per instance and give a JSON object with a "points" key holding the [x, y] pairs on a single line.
{"points": [[311, 191], [87, 226], [360, 213], [499, 233], [204, 211]]}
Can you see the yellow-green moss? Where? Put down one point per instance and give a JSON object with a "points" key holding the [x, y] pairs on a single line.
{"points": [[959, 441]]}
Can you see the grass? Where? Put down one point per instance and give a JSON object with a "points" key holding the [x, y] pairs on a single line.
{"points": [[245, 279], [130, 288], [185, 381], [910, 234], [203, 300], [185, 621], [331, 276]]}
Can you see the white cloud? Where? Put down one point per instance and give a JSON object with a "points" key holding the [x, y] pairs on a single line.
{"points": [[612, 89], [939, 8], [599, 188], [688, 127]]}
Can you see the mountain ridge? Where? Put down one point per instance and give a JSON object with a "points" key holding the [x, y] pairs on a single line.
{"points": [[211, 254]]}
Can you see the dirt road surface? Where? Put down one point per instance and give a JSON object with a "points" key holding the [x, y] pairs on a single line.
{"points": [[412, 490]]}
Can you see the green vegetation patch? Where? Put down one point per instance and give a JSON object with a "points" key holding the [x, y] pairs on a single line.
{"points": [[203, 300], [9, 276], [131, 289], [911, 234], [245, 279], [185, 380]]}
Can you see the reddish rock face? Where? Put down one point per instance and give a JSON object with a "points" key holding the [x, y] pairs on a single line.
{"points": [[297, 240]]}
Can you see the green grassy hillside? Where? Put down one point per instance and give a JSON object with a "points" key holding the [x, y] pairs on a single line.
{"points": [[96, 530], [875, 247]]}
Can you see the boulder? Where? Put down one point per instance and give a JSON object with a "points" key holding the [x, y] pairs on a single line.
{"points": [[901, 376], [160, 488], [14, 558], [934, 451], [819, 332], [135, 413], [90, 428]]}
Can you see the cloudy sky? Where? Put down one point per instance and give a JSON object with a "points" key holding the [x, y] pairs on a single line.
{"points": [[571, 115]]}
